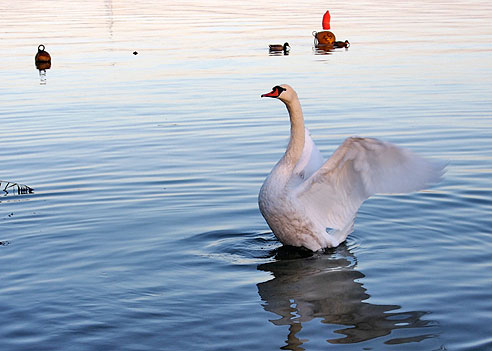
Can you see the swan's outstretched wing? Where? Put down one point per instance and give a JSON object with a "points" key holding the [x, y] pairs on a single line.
{"points": [[310, 161], [359, 168]]}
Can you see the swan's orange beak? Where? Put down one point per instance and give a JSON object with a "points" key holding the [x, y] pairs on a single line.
{"points": [[275, 93]]}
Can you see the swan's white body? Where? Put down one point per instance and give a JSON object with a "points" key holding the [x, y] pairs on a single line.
{"points": [[311, 203]]}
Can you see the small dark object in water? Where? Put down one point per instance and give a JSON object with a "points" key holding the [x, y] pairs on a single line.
{"points": [[277, 48], [42, 56], [4, 243], [135, 53]]}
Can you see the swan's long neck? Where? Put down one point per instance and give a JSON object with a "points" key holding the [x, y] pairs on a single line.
{"points": [[296, 142]]}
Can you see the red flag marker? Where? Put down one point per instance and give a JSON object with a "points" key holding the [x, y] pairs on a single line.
{"points": [[326, 20]]}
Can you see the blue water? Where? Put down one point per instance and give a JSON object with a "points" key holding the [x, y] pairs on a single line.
{"points": [[143, 233]]}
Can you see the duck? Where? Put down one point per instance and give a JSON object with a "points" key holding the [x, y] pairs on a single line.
{"points": [[312, 203], [279, 47], [341, 44], [42, 55]]}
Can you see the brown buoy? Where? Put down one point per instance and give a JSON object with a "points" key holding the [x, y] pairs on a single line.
{"points": [[325, 37], [43, 62], [42, 56]]}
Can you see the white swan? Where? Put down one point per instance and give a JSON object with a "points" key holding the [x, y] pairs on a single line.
{"points": [[311, 203]]}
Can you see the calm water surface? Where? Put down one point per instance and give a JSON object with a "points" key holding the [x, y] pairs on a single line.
{"points": [[143, 232]]}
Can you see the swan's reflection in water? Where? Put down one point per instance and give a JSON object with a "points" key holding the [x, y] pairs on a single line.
{"points": [[326, 287]]}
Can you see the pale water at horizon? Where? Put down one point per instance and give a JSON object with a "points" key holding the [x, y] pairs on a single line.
{"points": [[143, 232]]}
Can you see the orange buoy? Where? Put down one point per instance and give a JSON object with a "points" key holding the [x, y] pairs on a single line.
{"points": [[324, 38]]}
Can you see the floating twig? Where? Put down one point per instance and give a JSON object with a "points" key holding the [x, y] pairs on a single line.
{"points": [[21, 188]]}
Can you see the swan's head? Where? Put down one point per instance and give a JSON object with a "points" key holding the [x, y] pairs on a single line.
{"points": [[282, 92]]}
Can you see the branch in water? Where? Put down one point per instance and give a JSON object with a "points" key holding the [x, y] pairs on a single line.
{"points": [[21, 188]]}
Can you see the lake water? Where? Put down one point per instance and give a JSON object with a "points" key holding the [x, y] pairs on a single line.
{"points": [[143, 232]]}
